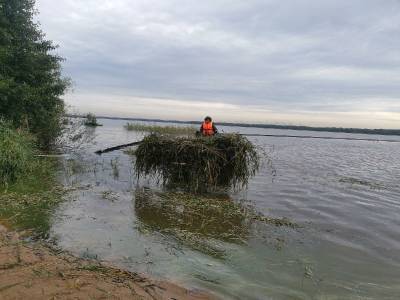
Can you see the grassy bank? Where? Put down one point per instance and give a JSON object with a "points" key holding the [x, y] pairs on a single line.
{"points": [[28, 186], [177, 130], [28, 203]]}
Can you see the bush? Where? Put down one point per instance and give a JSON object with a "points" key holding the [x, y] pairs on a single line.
{"points": [[91, 120], [16, 154], [198, 163]]}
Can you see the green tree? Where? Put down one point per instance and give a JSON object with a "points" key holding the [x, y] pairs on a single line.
{"points": [[31, 83]]}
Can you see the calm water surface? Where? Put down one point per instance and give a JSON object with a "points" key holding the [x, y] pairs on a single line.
{"points": [[345, 195]]}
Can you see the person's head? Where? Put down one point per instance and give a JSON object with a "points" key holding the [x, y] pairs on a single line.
{"points": [[207, 119]]}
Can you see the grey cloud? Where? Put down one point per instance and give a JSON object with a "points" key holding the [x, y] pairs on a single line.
{"points": [[254, 52]]}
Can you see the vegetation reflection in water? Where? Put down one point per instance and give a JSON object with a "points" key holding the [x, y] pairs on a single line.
{"points": [[200, 222]]}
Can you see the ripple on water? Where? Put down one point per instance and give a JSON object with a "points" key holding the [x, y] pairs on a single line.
{"points": [[344, 194]]}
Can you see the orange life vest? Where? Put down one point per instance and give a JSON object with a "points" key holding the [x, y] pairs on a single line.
{"points": [[208, 129]]}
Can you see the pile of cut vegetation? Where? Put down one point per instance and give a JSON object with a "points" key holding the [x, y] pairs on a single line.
{"points": [[198, 164]]}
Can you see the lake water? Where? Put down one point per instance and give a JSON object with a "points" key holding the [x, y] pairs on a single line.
{"points": [[345, 195]]}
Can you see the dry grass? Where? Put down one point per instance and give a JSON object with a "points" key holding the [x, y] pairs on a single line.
{"points": [[198, 164]]}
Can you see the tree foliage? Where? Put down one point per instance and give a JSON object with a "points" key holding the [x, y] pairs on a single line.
{"points": [[31, 83]]}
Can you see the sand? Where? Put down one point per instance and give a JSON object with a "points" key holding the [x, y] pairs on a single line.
{"points": [[33, 270]]}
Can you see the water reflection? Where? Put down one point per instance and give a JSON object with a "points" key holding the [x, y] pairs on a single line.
{"points": [[199, 222]]}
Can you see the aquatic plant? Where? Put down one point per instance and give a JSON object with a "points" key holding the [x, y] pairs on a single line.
{"points": [[209, 216], [115, 167], [198, 164], [177, 130], [110, 196], [28, 203], [360, 182], [200, 221]]}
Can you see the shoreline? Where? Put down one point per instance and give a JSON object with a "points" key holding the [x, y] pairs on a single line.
{"points": [[35, 270], [331, 129]]}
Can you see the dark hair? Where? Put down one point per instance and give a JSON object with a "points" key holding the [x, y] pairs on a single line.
{"points": [[207, 118]]}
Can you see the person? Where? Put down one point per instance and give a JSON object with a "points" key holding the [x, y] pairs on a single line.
{"points": [[208, 128]]}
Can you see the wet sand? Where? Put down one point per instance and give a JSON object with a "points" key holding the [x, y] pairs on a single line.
{"points": [[33, 270]]}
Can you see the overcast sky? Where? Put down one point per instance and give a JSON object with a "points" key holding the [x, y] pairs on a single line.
{"points": [[314, 62]]}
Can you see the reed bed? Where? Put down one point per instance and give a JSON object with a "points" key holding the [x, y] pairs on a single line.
{"points": [[198, 164], [174, 130]]}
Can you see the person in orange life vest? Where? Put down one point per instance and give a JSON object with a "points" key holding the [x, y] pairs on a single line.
{"points": [[208, 128]]}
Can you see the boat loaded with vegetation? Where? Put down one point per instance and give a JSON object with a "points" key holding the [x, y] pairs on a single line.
{"points": [[198, 164]]}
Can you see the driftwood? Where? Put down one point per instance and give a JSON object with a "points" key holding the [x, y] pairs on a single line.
{"points": [[119, 147]]}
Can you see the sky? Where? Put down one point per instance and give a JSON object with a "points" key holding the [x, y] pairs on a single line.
{"points": [[305, 62]]}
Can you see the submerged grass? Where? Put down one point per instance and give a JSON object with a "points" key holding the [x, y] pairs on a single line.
{"points": [[28, 203], [360, 182], [200, 221], [174, 130], [198, 164]]}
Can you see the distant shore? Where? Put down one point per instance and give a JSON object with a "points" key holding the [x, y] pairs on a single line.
{"points": [[395, 132]]}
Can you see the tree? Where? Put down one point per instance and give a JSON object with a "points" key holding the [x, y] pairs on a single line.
{"points": [[31, 83]]}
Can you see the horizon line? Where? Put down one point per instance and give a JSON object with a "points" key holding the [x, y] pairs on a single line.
{"points": [[258, 125]]}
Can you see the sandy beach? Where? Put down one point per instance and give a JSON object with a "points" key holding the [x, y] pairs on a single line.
{"points": [[33, 270]]}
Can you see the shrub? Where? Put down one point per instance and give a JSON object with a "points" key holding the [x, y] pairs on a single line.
{"points": [[16, 153], [91, 120]]}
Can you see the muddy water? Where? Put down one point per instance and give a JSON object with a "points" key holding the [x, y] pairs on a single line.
{"points": [[345, 195]]}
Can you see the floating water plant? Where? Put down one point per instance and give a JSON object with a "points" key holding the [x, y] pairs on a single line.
{"points": [[211, 216], [200, 222], [360, 182], [198, 164]]}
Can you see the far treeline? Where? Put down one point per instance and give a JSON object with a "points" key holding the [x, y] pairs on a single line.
{"points": [[324, 129], [270, 126]]}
